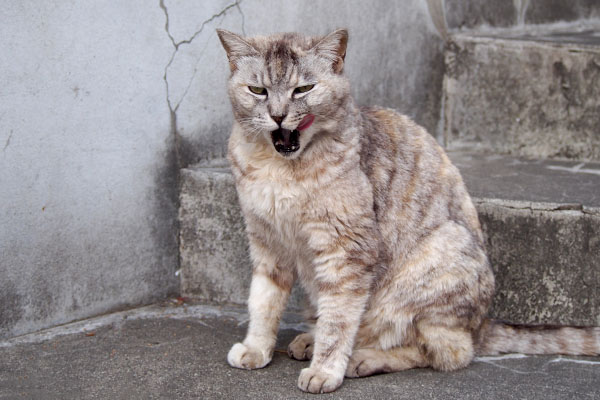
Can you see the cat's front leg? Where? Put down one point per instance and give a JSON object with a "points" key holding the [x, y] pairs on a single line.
{"points": [[342, 281], [339, 318], [269, 291]]}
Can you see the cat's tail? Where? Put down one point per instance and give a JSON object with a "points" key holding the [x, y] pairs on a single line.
{"points": [[499, 337]]}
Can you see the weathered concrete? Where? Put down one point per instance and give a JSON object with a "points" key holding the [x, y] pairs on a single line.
{"points": [[544, 11], [395, 62], [88, 193], [101, 104], [542, 225], [535, 94], [545, 262], [215, 265], [179, 352], [541, 221], [471, 14]]}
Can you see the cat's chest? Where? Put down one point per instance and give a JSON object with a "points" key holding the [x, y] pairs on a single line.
{"points": [[277, 202]]}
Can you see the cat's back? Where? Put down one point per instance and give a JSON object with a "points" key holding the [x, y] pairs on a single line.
{"points": [[416, 186]]}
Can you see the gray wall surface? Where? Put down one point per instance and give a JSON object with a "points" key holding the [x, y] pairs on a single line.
{"points": [[87, 188], [101, 104], [394, 59], [465, 14]]}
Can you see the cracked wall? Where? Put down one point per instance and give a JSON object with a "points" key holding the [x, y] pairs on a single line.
{"points": [[394, 59], [101, 105]]}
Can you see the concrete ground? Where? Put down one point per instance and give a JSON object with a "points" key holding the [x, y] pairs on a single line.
{"points": [[177, 350]]}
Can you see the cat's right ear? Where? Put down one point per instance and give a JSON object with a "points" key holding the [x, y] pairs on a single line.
{"points": [[236, 47]]}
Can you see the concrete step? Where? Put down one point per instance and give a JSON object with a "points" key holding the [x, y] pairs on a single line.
{"points": [[541, 220], [215, 265], [473, 13], [178, 351], [533, 93]]}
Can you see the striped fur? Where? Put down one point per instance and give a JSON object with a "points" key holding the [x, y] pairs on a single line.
{"points": [[500, 337], [369, 215]]}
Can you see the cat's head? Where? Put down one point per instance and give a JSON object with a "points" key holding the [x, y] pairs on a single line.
{"points": [[287, 89]]}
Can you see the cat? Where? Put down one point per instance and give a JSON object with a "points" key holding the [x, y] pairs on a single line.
{"points": [[366, 211]]}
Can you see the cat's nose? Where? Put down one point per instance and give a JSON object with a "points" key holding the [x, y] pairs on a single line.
{"points": [[278, 119]]}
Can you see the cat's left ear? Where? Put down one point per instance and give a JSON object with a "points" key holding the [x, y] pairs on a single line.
{"points": [[333, 47], [236, 47]]}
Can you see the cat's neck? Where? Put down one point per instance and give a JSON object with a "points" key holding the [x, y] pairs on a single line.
{"points": [[337, 135]]}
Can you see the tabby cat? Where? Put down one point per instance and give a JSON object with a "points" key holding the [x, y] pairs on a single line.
{"points": [[365, 209]]}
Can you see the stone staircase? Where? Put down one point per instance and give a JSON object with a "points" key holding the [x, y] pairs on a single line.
{"points": [[521, 120]]}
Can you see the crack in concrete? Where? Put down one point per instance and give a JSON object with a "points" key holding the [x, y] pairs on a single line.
{"points": [[8, 141], [222, 13], [491, 361], [164, 8], [176, 44], [577, 169], [572, 360]]}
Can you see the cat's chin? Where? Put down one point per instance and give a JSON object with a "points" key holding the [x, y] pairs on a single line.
{"points": [[289, 154]]}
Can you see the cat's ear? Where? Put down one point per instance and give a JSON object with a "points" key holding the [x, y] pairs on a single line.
{"points": [[236, 47], [333, 48]]}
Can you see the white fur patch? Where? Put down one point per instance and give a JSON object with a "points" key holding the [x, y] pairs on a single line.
{"points": [[235, 355], [262, 293]]}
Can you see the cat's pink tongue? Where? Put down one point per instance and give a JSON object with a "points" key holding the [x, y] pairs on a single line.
{"points": [[306, 122]]}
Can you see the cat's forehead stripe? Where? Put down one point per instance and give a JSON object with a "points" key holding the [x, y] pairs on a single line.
{"points": [[280, 60]]}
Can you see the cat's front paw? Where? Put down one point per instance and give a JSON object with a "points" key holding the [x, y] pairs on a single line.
{"points": [[314, 380], [242, 356]]}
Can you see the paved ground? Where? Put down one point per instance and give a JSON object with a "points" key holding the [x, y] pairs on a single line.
{"points": [[177, 351]]}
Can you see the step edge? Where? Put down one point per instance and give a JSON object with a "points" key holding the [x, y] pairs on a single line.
{"points": [[520, 42], [567, 208]]}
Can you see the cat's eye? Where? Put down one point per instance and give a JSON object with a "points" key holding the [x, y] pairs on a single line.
{"points": [[303, 89], [258, 90]]}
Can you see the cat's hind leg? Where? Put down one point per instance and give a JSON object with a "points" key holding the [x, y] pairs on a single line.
{"points": [[371, 361], [440, 347], [301, 348], [446, 348]]}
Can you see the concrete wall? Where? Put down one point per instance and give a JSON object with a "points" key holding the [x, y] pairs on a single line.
{"points": [[101, 104], [87, 177], [394, 59], [465, 14]]}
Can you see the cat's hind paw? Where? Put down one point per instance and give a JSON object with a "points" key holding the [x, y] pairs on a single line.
{"points": [[314, 380], [363, 363], [301, 348], [241, 356]]}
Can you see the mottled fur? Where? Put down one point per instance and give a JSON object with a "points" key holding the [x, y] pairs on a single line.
{"points": [[369, 215]]}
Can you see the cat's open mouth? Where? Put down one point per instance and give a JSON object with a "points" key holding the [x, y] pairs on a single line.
{"points": [[285, 141]]}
